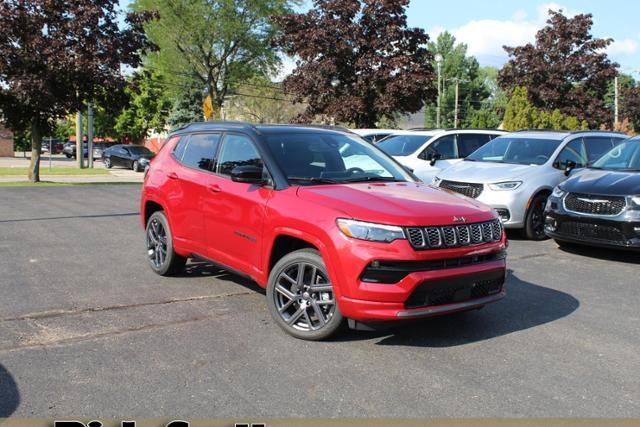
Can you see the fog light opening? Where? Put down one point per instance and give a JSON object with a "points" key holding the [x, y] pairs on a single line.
{"points": [[550, 224], [504, 214]]}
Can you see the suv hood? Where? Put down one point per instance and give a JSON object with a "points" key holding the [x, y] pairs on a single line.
{"points": [[397, 203], [603, 182], [486, 172]]}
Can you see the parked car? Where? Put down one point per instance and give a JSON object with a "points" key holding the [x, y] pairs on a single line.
{"points": [[136, 157], [516, 173], [99, 148], [329, 243], [69, 150], [55, 145], [599, 205], [429, 151], [373, 135]]}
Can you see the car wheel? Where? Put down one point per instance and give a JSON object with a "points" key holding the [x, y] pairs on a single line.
{"points": [[135, 166], [301, 298], [162, 258], [107, 163], [534, 222], [68, 155]]}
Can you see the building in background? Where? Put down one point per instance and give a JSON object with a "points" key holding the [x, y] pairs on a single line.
{"points": [[6, 142]]}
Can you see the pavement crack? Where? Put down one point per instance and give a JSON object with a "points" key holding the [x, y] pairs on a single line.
{"points": [[518, 258], [60, 313]]}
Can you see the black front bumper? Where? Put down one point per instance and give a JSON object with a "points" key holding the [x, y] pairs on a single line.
{"points": [[593, 231]]}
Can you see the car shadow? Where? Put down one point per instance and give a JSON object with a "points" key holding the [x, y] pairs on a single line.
{"points": [[628, 257], [9, 394], [526, 306], [201, 268]]}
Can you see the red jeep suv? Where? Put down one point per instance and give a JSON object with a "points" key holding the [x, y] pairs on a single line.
{"points": [[332, 227]]}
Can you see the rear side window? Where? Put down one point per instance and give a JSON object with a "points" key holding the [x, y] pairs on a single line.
{"points": [[470, 142], [237, 150], [597, 146], [178, 151], [200, 151]]}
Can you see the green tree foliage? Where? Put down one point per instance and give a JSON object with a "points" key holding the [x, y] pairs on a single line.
{"points": [[521, 114], [474, 90], [217, 43], [358, 61], [147, 109], [56, 55], [567, 68]]}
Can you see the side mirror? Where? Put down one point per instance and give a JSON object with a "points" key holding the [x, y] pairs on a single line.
{"points": [[248, 174], [569, 166], [433, 158]]}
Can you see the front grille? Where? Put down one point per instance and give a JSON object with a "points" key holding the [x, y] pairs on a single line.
{"points": [[454, 236], [466, 188], [594, 205], [583, 230], [453, 290]]}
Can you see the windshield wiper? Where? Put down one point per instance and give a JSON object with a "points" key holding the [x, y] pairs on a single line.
{"points": [[312, 179], [374, 178]]}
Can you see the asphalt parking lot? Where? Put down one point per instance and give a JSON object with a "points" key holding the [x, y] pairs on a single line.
{"points": [[86, 329]]}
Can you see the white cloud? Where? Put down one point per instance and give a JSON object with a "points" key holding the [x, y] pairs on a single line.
{"points": [[623, 47]]}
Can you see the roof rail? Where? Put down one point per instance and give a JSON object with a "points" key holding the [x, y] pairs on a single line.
{"points": [[451, 129], [217, 123]]}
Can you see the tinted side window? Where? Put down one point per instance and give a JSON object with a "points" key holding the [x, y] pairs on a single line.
{"points": [[201, 151], [470, 142], [445, 146], [597, 146], [237, 150], [178, 151], [574, 151]]}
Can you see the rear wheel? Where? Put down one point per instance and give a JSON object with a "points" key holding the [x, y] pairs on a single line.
{"points": [[135, 166], [107, 163], [534, 222], [301, 298], [161, 255]]}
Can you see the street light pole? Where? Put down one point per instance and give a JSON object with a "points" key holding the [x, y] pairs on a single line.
{"points": [[90, 134], [617, 96], [455, 117], [79, 138], [438, 59]]}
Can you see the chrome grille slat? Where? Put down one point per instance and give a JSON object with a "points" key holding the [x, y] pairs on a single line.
{"points": [[595, 205], [453, 236]]}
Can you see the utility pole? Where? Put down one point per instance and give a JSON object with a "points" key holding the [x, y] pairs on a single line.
{"points": [[79, 138], [438, 59], [455, 116], [90, 134], [617, 97]]}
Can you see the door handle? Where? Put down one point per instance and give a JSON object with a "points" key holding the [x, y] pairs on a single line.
{"points": [[172, 175], [214, 188]]}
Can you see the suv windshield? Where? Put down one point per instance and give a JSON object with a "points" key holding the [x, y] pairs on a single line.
{"points": [[319, 158], [516, 150], [402, 145], [624, 157]]}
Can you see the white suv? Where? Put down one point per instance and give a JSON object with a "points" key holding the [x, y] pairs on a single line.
{"points": [[427, 152]]}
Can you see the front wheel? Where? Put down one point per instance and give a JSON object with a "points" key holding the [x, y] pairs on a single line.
{"points": [[534, 222], [135, 166], [161, 255], [107, 163], [301, 298]]}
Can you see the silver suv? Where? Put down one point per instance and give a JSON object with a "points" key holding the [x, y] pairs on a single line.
{"points": [[515, 173]]}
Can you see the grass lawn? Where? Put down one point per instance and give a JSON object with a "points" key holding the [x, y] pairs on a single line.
{"points": [[54, 171], [59, 184]]}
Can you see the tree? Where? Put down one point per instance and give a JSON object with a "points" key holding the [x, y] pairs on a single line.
{"points": [[57, 54], [217, 43], [521, 114], [567, 68], [457, 67], [147, 108], [357, 61], [261, 100], [630, 106]]}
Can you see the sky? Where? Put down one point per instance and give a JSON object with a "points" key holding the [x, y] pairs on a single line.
{"points": [[485, 26]]}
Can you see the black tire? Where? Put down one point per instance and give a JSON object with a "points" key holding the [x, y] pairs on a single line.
{"points": [[167, 262], [68, 155], [107, 163], [135, 166], [314, 301], [534, 220]]}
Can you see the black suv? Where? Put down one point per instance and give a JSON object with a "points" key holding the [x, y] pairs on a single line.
{"points": [[600, 205]]}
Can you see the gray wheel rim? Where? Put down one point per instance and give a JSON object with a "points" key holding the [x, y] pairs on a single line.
{"points": [[304, 297], [156, 243], [107, 162]]}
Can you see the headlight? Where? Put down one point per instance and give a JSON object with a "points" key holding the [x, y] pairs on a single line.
{"points": [[369, 231], [504, 186], [636, 200], [436, 181], [143, 160], [558, 192]]}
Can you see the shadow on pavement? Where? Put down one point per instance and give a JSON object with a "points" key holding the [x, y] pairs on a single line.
{"points": [[70, 217], [629, 257], [198, 268], [9, 394], [526, 306]]}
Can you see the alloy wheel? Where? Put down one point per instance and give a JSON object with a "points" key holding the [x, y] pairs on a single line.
{"points": [[157, 243], [537, 218], [304, 297]]}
